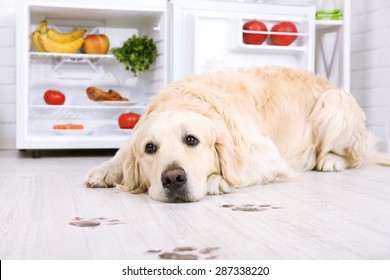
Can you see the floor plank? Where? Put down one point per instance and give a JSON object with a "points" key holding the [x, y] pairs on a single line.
{"points": [[316, 216]]}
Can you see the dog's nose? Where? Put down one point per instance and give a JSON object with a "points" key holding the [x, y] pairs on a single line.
{"points": [[174, 178]]}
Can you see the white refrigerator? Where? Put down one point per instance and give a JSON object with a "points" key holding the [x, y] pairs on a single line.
{"points": [[191, 37]]}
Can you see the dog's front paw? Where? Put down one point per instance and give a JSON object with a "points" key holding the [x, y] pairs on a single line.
{"points": [[330, 163], [103, 176], [217, 185]]}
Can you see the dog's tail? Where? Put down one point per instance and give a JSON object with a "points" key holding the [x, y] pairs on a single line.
{"points": [[380, 159]]}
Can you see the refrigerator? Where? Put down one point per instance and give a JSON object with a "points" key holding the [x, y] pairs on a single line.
{"points": [[191, 37]]}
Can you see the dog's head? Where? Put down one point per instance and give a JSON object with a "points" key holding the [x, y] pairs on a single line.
{"points": [[171, 154]]}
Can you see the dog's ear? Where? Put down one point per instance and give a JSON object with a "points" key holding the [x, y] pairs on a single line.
{"points": [[230, 158], [133, 181], [262, 158]]}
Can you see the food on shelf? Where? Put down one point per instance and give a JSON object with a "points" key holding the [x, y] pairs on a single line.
{"points": [[284, 40], [96, 44], [251, 38], [53, 46], [97, 94], [45, 39], [66, 37], [54, 97], [42, 28], [137, 54], [128, 120], [335, 14], [68, 126]]}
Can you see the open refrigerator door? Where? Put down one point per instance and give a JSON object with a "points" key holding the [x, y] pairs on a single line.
{"points": [[72, 73], [208, 36]]}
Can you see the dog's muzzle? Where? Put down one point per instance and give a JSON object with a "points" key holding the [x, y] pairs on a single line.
{"points": [[174, 182]]}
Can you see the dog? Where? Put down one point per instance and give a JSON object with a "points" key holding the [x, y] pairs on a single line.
{"points": [[207, 134]]}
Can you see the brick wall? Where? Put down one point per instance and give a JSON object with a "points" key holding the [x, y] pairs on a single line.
{"points": [[370, 62], [7, 74]]}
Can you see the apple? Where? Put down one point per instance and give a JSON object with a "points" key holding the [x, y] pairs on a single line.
{"points": [[254, 39], [96, 44], [283, 40]]}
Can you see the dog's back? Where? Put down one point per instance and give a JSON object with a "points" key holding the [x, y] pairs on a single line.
{"points": [[313, 124]]}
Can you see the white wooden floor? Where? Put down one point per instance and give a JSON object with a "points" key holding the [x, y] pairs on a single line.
{"points": [[47, 213]]}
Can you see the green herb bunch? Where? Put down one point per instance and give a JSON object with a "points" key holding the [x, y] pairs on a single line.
{"points": [[137, 53]]}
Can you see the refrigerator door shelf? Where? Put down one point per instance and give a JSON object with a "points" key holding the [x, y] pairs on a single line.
{"points": [[299, 45]]}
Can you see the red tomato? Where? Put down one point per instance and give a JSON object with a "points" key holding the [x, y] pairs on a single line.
{"points": [[283, 40], [128, 120], [54, 97], [254, 39]]}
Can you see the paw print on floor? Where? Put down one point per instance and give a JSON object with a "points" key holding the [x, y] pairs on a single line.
{"points": [[250, 207], [94, 222], [187, 253]]}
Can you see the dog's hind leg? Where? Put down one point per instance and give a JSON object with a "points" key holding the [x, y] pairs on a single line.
{"points": [[339, 131]]}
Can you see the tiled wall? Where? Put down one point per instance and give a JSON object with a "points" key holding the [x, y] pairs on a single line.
{"points": [[370, 66]]}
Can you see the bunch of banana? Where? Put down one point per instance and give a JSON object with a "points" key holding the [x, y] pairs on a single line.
{"points": [[45, 39]]}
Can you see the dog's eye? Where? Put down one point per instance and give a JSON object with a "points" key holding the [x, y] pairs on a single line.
{"points": [[150, 148], [190, 140]]}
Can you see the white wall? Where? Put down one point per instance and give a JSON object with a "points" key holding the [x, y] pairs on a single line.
{"points": [[370, 66], [7, 74], [370, 62]]}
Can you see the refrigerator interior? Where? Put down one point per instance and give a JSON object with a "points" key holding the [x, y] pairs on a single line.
{"points": [[210, 37], [72, 74]]}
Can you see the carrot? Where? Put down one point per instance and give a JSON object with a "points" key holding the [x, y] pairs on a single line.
{"points": [[68, 126]]}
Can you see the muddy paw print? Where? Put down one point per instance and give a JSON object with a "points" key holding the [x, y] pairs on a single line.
{"points": [[250, 207], [94, 222], [186, 253]]}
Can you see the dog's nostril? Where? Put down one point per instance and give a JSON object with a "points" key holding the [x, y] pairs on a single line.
{"points": [[181, 179], [166, 181], [173, 178]]}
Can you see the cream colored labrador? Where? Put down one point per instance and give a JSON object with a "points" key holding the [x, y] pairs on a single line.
{"points": [[209, 133]]}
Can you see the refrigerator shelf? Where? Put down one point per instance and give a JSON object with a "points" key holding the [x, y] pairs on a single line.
{"points": [[105, 128], [75, 56], [73, 112], [49, 140], [73, 65], [86, 107]]}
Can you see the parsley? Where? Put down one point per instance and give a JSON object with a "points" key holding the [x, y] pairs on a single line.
{"points": [[137, 54]]}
